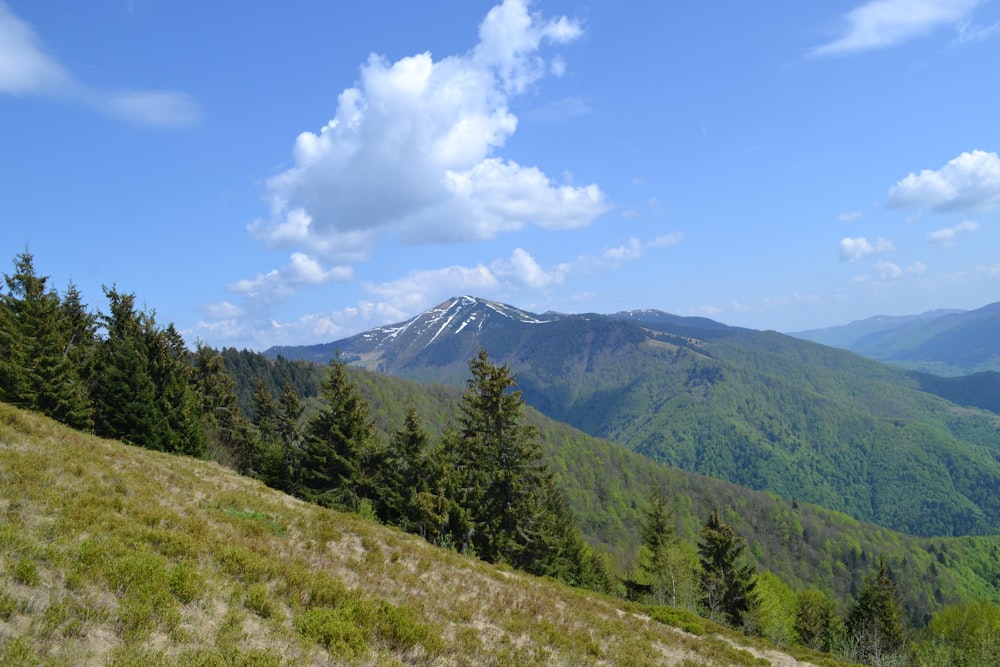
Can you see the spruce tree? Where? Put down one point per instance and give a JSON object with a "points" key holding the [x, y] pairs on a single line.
{"points": [[816, 620], [410, 471], [666, 564], [41, 369], [140, 382], [507, 508], [230, 435], [337, 444], [874, 626], [727, 586], [281, 440]]}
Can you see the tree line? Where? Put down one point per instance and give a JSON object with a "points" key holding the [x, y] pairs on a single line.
{"points": [[482, 487]]}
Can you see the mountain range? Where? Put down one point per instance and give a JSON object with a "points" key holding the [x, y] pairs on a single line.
{"points": [[943, 342], [759, 409]]}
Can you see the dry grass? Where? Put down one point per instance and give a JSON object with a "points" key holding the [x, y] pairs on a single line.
{"points": [[115, 555]]}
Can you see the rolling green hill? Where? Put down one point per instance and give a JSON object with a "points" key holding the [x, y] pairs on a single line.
{"points": [[608, 488], [759, 409], [115, 555], [942, 342]]}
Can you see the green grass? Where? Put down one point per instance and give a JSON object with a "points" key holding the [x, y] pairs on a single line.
{"points": [[115, 555]]}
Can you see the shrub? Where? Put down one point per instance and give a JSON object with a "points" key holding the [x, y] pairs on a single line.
{"points": [[334, 630], [26, 572]]}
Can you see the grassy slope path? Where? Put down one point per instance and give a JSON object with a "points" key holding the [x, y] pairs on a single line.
{"points": [[111, 554]]}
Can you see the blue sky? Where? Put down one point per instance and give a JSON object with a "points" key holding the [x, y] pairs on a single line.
{"points": [[268, 173]]}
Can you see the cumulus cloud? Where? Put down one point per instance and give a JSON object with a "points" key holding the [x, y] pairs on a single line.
{"points": [[26, 69], [394, 300], [279, 284], [855, 249], [969, 182], [522, 270], [411, 151], [879, 24], [948, 236]]}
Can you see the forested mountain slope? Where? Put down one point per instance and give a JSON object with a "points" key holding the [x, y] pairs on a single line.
{"points": [[608, 488], [759, 409]]}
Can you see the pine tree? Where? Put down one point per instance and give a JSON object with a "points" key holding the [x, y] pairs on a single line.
{"points": [[874, 626], [497, 462], [337, 442], [506, 505], [140, 382], [666, 564], [38, 370], [816, 620], [411, 472], [281, 440], [230, 435], [727, 587]]}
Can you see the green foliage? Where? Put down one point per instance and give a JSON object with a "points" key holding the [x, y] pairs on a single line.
{"points": [[874, 626], [773, 617], [965, 635], [229, 433], [46, 342], [667, 565], [141, 382], [727, 587], [26, 572], [339, 441], [817, 625]]}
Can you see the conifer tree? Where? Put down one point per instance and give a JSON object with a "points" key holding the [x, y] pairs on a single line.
{"points": [[410, 471], [141, 382], [230, 435], [497, 463], [507, 508], [874, 626], [337, 443], [278, 425], [816, 621], [38, 370], [666, 564], [727, 586]]}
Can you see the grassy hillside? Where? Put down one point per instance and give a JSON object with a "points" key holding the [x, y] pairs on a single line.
{"points": [[111, 554]]}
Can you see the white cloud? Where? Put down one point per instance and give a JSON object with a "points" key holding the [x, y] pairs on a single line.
{"points": [[881, 24], [887, 270], [969, 182], [947, 236], [849, 216], [222, 310], [410, 151], [153, 107], [279, 284], [968, 33], [400, 299], [522, 270], [666, 240], [854, 249], [25, 69]]}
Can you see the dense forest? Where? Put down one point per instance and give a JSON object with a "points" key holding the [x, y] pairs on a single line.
{"points": [[485, 483]]}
